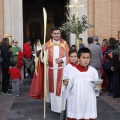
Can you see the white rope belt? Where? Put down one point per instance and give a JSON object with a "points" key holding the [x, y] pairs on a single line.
{"points": [[55, 67]]}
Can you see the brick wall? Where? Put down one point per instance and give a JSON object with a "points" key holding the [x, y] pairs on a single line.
{"points": [[105, 16], [1, 20]]}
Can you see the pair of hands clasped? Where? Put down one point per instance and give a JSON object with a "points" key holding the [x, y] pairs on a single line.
{"points": [[57, 60]]}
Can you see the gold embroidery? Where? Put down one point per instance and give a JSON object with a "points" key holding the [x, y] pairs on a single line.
{"points": [[57, 43]]}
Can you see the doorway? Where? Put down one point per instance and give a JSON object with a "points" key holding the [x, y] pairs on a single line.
{"points": [[33, 18]]}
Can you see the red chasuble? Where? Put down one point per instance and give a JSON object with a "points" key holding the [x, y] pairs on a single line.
{"points": [[37, 86], [63, 52]]}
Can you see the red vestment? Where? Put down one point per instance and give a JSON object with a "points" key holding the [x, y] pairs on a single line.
{"points": [[63, 52], [37, 86]]}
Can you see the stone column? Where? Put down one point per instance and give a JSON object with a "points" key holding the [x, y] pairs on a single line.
{"points": [[7, 17], [1, 20], [13, 20], [81, 12]]}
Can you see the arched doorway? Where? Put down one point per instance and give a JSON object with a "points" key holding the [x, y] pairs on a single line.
{"points": [[33, 17], [34, 31]]}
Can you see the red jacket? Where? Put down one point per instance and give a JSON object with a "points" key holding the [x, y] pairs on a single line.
{"points": [[27, 51], [20, 62], [14, 73]]}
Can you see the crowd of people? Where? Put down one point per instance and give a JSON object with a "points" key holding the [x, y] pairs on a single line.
{"points": [[69, 73]]}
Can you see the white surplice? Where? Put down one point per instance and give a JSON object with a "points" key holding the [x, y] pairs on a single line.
{"points": [[57, 102], [82, 98], [67, 74]]}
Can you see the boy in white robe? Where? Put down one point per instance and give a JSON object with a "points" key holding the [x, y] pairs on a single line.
{"points": [[73, 60], [67, 72], [81, 104]]}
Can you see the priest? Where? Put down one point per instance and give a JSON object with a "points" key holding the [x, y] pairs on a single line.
{"points": [[57, 57]]}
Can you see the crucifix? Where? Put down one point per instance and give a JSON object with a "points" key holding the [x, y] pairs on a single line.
{"points": [[75, 6]]}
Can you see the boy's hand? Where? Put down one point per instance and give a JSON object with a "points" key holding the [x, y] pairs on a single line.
{"points": [[17, 53], [21, 82], [65, 82], [99, 87]]}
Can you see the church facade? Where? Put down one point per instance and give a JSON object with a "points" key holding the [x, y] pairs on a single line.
{"points": [[19, 19]]}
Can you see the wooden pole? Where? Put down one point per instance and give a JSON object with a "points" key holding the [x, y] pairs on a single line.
{"points": [[45, 26]]}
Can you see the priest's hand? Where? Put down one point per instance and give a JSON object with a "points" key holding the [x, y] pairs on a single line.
{"points": [[43, 47], [58, 60], [65, 82]]}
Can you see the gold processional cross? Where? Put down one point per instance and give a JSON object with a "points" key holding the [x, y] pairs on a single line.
{"points": [[75, 6]]}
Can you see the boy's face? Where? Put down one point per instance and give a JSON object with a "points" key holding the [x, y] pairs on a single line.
{"points": [[80, 42], [73, 57], [84, 59]]}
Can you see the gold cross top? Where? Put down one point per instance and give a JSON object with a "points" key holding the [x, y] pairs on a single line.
{"points": [[75, 5]]}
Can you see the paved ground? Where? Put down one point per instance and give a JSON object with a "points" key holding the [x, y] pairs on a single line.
{"points": [[26, 108]]}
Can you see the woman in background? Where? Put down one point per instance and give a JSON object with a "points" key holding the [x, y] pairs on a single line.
{"points": [[104, 47], [37, 86], [5, 65]]}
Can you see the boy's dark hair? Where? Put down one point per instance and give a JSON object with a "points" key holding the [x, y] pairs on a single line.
{"points": [[27, 40], [73, 46], [13, 63], [90, 40], [72, 51], [83, 50], [81, 39]]}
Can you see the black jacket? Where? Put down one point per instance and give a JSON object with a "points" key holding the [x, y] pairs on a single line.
{"points": [[6, 58]]}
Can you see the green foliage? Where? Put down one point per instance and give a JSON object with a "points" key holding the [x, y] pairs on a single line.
{"points": [[74, 25], [117, 50]]}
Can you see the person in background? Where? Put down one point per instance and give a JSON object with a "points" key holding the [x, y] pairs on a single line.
{"points": [[95, 39], [5, 66], [103, 73], [73, 47], [115, 67], [96, 55], [104, 45], [15, 49], [15, 77], [27, 51], [109, 72], [1, 59], [81, 43], [37, 85]]}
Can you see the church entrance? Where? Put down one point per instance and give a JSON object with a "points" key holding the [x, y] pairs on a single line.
{"points": [[33, 17]]}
